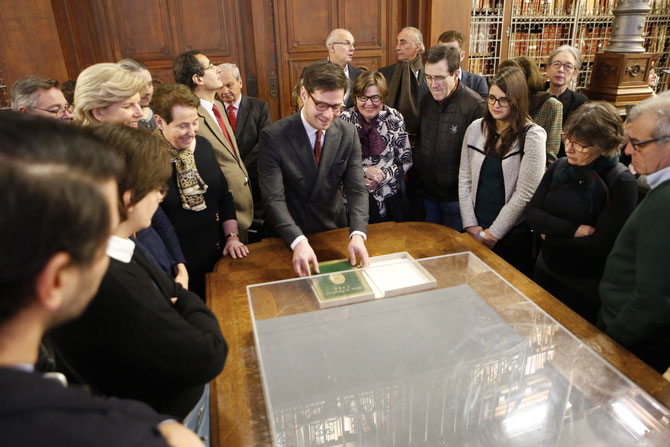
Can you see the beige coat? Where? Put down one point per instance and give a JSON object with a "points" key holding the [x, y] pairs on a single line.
{"points": [[232, 165]]}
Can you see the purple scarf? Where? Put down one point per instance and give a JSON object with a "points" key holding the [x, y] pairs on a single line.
{"points": [[371, 142]]}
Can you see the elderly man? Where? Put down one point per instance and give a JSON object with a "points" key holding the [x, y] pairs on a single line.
{"points": [[635, 288], [247, 117], [406, 79], [194, 69], [39, 96], [340, 45], [456, 39], [50, 268], [306, 161]]}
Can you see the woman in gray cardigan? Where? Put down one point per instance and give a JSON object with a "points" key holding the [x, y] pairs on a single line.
{"points": [[502, 162]]}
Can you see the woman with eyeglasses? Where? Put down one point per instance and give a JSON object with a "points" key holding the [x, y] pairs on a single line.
{"points": [[385, 146], [502, 162], [580, 206], [562, 70], [108, 93]]}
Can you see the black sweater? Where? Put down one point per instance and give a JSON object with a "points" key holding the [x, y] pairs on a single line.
{"points": [[558, 212], [132, 342]]}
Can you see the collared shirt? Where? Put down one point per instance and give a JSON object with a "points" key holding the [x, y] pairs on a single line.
{"points": [[120, 249], [311, 134], [658, 177], [209, 106], [236, 105]]}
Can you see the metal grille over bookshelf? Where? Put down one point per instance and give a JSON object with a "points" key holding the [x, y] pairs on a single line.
{"points": [[485, 36], [656, 36], [537, 27]]}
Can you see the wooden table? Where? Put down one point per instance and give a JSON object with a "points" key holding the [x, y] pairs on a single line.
{"points": [[238, 410]]}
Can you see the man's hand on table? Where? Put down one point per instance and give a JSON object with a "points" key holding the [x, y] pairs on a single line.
{"points": [[302, 256], [357, 248]]}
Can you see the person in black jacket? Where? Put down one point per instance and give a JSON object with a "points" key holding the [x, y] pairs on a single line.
{"points": [[444, 118], [198, 202], [580, 206], [50, 268], [143, 335]]}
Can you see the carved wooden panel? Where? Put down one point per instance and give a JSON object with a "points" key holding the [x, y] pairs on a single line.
{"points": [[366, 18], [140, 29], [307, 26], [370, 62], [206, 25]]}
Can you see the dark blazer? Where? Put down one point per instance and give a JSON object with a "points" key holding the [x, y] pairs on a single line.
{"points": [[475, 82], [301, 197], [252, 117], [40, 412], [354, 73], [132, 342]]}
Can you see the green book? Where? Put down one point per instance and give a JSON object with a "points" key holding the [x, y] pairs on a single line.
{"points": [[340, 286]]}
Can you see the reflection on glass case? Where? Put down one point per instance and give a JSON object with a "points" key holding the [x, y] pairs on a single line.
{"points": [[472, 362]]}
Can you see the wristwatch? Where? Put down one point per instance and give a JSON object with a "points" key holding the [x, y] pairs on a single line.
{"points": [[232, 235]]}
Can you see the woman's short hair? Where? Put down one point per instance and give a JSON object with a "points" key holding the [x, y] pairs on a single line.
{"points": [[368, 79], [598, 124], [576, 54], [146, 164], [102, 85], [168, 95]]}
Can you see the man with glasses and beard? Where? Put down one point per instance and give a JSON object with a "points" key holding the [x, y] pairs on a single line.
{"points": [[303, 160]]}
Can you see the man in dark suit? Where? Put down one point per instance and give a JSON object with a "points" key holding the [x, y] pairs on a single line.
{"points": [[50, 268], [476, 82], [303, 160], [247, 117], [340, 44]]}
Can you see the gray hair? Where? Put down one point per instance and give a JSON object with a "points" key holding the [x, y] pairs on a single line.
{"points": [[659, 107], [576, 54], [132, 65], [23, 91], [418, 37], [233, 68], [332, 37]]}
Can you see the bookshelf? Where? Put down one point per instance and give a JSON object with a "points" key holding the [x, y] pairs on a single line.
{"points": [[509, 28]]}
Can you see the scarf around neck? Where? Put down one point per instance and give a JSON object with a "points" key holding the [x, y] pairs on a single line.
{"points": [[371, 141], [403, 91], [189, 183]]}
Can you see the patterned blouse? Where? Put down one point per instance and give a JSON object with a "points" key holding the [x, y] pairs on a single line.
{"points": [[391, 127]]}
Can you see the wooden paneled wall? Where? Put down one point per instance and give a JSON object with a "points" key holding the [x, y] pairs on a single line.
{"points": [[270, 40]]}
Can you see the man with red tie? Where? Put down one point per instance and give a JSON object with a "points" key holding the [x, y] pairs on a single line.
{"points": [[194, 69], [302, 161], [248, 116]]}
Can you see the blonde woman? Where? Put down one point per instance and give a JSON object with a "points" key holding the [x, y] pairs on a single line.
{"points": [[108, 93]]}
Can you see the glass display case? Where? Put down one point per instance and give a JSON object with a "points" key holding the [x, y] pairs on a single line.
{"points": [[469, 362]]}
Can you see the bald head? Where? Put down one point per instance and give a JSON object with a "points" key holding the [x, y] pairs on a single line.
{"points": [[340, 44]]}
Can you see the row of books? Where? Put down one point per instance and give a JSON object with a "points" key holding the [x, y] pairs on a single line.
{"points": [[539, 43], [562, 7], [487, 5], [660, 6], [593, 39], [483, 66], [655, 37], [483, 38]]}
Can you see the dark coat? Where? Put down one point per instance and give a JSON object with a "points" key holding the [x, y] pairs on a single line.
{"points": [[40, 412], [475, 82], [301, 197]]}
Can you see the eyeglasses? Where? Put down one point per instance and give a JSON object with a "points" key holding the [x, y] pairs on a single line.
{"points": [[577, 147], [210, 66], [58, 111], [503, 101], [567, 67], [346, 43], [374, 99], [323, 106], [439, 79], [638, 145]]}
